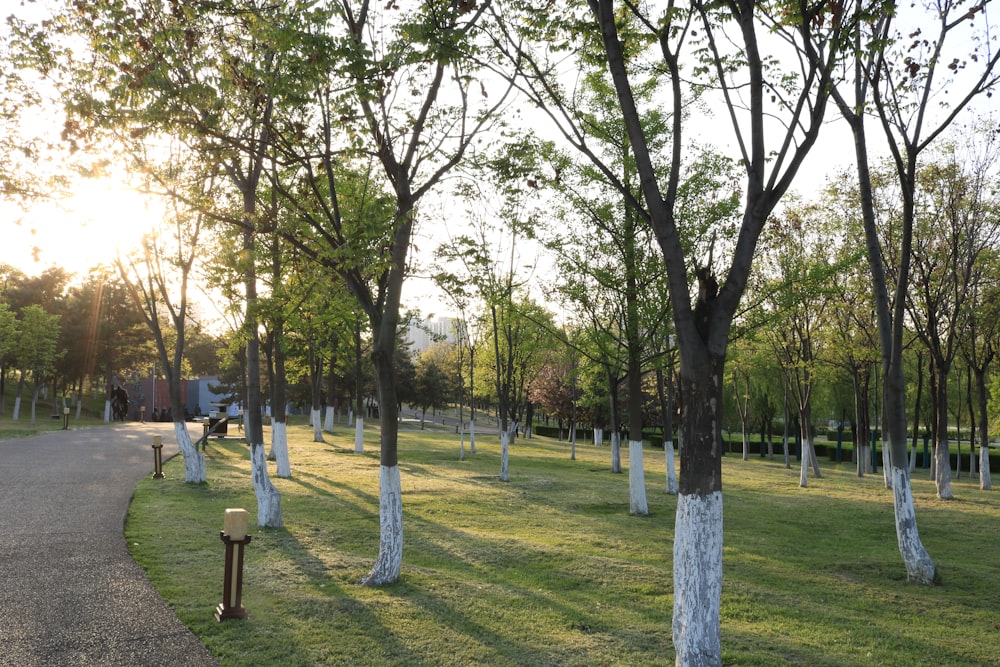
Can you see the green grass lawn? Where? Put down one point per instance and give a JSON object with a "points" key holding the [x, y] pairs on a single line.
{"points": [[549, 569], [92, 415]]}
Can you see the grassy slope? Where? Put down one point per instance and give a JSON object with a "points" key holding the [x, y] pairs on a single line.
{"points": [[549, 569]]}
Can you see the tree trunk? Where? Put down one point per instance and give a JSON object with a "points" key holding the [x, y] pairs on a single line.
{"points": [[616, 456], [942, 453], [34, 402], [667, 408], [505, 452], [390, 514], [279, 396], [359, 434], [985, 483], [194, 460], [268, 497], [331, 380], [698, 526], [636, 479]]}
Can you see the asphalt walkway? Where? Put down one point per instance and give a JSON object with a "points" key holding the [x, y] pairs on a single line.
{"points": [[71, 595]]}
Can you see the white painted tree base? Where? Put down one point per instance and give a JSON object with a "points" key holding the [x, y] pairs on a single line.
{"points": [[919, 566], [668, 453], [268, 497], [698, 580], [328, 420], [472, 437], [317, 423], [279, 449], [504, 455], [985, 480], [804, 468], [886, 466], [107, 410], [17, 411], [598, 437], [390, 514], [359, 435], [636, 479], [194, 460]]}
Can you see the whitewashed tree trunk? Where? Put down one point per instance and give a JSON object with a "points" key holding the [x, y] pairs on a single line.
{"points": [[472, 437], [598, 437], [461, 444], [668, 453], [942, 471], [746, 447], [331, 413], [985, 482], [268, 497], [886, 465], [697, 579], [572, 444], [17, 409], [317, 423], [804, 468], [913, 459], [79, 409], [636, 480], [504, 454], [194, 460], [350, 417], [279, 449], [919, 566], [107, 410], [390, 513], [359, 435], [616, 452]]}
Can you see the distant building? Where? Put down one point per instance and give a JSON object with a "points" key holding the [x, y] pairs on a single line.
{"points": [[422, 334]]}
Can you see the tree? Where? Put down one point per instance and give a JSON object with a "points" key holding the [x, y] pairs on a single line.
{"points": [[799, 297], [433, 388], [955, 227], [899, 76], [158, 284], [35, 352], [389, 94], [754, 87]]}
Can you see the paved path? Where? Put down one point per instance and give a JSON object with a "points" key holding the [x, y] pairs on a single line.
{"points": [[70, 592]]}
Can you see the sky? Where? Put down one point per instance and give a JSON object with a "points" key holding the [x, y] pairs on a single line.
{"points": [[79, 232]]}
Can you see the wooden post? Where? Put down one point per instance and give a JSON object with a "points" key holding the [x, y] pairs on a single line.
{"points": [[157, 457], [234, 535]]}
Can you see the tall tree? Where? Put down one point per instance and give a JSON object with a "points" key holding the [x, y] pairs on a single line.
{"points": [[900, 72], [390, 100], [723, 40], [158, 283], [35, 352]]}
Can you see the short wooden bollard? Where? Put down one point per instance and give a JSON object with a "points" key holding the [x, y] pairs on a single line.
{"points": [[65, 419], [157, 457], [234, 535]]}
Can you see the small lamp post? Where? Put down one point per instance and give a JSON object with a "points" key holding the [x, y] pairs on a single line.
{"points": [[65, 419], [157, 457], [234, 535]]}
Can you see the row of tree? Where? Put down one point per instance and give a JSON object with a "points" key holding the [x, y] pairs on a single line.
{"points": [[310, 135]]}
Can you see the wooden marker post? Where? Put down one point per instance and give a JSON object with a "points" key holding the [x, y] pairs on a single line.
{"points": [[234, 535]]}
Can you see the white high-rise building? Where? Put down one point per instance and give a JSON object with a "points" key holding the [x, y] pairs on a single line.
{"points": [[424, 333]]}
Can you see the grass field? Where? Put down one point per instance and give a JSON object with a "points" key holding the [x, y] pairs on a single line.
{"points": [[549, 569], [92, 415]]}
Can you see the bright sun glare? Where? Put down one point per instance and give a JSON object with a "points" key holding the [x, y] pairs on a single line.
{"points": [[100, 218]]}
